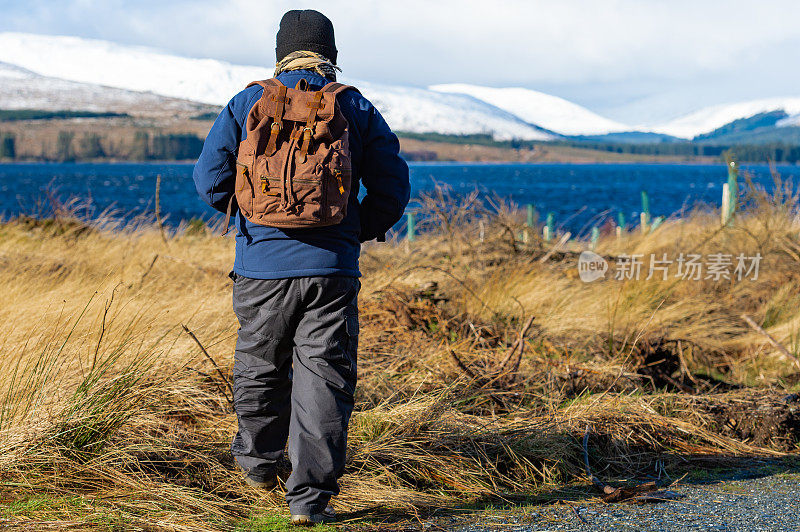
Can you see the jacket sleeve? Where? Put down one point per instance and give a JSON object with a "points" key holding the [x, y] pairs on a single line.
{"points": [[385, 177], [215, 171]]}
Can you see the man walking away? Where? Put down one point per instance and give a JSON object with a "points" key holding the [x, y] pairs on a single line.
{"points": [[286, 157]]}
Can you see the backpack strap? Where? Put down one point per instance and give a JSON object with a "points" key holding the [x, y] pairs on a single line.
{"points": [[277, 122], [228, 214], [264, 83], [337, 88], [313, 108]]}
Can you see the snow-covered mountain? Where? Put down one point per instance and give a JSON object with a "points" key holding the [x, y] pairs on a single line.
{"points": [[9, 72], [141, 69], [23, 89], [545, 110], [711, 118], [790, 121], [52, 72], [420, 110], [132, 68]]}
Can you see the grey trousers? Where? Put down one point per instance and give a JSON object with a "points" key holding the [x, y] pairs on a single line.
{"points": [[294, 379]]}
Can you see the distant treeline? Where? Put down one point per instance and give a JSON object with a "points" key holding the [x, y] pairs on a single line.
{"points": [[776, 151], [14, 115], [419, 155], [142, 146], [209, 115], [479, 139]]}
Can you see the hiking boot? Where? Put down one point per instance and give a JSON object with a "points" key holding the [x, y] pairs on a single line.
{"points": [[267, 484], [326, 516]]}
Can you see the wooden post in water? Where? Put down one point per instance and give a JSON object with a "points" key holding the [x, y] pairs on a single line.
{"points": [[620, 225], [595, 238], [411, 227]]}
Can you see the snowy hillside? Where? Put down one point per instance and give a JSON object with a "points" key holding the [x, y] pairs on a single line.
{"points": [[49, 72], [23, 89], [549, 112], [711, 118], [9, 72], [793, 120], [126, 67], [420, 110], [214, 82]]}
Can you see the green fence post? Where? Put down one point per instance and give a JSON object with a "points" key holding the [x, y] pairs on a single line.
{"points": [[729, 206], [644, 217], [595, 238], [656, 223], [529, 220], [411, 227], [549, 227], [646, 205], [726, 203]]}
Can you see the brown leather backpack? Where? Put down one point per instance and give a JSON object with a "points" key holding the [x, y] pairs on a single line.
{"points": [[294, 169]]}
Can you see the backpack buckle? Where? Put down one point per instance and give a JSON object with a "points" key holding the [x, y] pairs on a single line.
{"points": [[338, 175], [265, 188]]}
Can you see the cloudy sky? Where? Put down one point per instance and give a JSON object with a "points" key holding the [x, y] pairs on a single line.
{"points": [[625, 58]]}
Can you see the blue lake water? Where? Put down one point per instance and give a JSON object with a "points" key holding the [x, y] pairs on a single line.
{"points": [[579, 195]]}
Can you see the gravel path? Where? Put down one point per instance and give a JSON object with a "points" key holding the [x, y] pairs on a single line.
{"points": [[770, 503]]}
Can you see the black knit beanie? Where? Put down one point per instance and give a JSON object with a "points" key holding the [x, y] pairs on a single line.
{"points": [[305, 30]]}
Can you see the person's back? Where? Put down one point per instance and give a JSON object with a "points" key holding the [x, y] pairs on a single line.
{"points": [[295, 288]]}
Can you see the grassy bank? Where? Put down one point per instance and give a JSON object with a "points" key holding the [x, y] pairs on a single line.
{"points": [[483, 364]]}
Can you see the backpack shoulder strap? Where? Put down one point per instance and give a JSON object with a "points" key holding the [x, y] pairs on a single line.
{"points": [[337, 88], [264, 83], [280, 107]]}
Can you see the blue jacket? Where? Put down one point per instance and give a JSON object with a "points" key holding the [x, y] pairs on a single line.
{"points": [[271, 253]]}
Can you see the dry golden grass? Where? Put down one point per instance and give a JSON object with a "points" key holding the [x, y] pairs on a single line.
{"points": [[111, 415]]}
